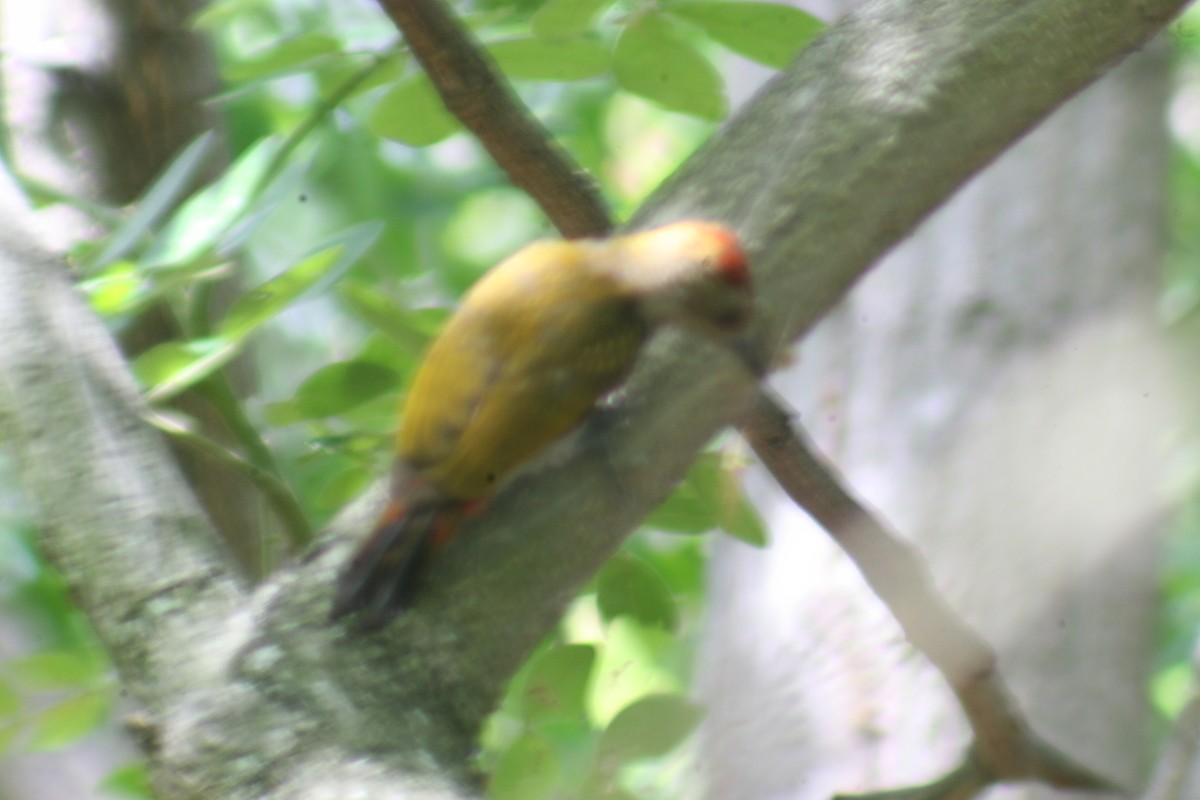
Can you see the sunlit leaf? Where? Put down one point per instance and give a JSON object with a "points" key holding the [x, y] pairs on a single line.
{"points": [[57, 669], [411, 329], [653, 60], [770, 33], [556, 683], [736, 515], [215, 14], [283, 57], [8, 732], [341, 386], [413, 113], [652, 726], [129, 782], [528, 770], [692, 507], [68, 721], [172, 367], [329, 261], [710, 496], [284, 188], [117, 289], [562, 18], [10, 700], [630, 666], [343, 487], [332, 76], [198, 224], [627, 585], [1172, 688], [160, 198], [537, 59]]}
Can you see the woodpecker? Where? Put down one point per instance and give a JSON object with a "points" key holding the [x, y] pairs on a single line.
{"points": [[536, 342]]}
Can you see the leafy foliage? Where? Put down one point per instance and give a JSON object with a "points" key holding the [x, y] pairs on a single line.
{"points": [[1174, 682]]}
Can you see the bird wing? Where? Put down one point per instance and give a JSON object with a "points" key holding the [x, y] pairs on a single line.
{"points": [[535, 344]]}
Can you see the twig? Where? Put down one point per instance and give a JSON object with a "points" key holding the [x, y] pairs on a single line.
{"points": [[1005, 748], [477, 95], [276, 490]]}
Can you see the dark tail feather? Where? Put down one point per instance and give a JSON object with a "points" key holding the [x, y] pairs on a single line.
{"points": [[384, 574]]}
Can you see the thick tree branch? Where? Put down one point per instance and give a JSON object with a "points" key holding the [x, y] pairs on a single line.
{"points": [[1005, 746], [120, 523]]}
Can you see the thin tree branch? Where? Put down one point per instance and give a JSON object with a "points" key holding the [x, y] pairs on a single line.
{"points": [[278, 493], [1005, 748], [478, 96]]}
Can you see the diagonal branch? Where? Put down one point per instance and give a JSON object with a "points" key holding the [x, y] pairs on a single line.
{"points": [[1005, 749], [475, 92]]}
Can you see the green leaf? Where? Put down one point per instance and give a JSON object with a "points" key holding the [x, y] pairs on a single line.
{"points": [[343, 487], [281, 58], [8, 732], [216, 14], [326, 264], [71, 720], [172, 367], [1171, 689], [654, 61], [159, 199], [631, 665], [602, 787], [628, 585], [652, 726], [737, 516], [691, 507], [283, 188], [566, 17], [556, 683], [412, 112], [528, 770], [201, 221], [130, 782], [342, 386], [117, 289], [10, 700], [550, 59], [711, 496], [57, 669], [411, 329], [770, 33], [332, 76]]}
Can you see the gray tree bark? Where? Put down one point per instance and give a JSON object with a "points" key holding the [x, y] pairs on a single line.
{"points": [[253, 694], [999, 390]]}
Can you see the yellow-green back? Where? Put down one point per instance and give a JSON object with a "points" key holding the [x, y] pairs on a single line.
{"points": [[536, 342]]}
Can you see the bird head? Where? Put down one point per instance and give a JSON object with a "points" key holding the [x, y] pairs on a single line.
{"points": [[691, 274]]}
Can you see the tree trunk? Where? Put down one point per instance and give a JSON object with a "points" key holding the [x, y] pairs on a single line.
{"points": [[999, 391]]}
